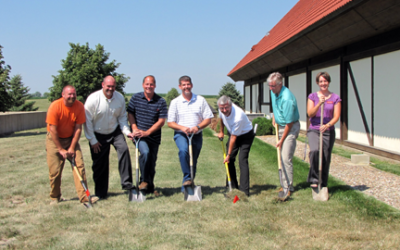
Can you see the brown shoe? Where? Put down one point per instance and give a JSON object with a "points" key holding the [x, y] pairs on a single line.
{"points": [[156, 194], [56, 201], [187, 183], [93, 199], [143, 186]]}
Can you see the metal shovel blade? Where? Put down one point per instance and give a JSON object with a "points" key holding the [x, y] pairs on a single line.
{"points": [[283, 195], [137, 196], [320, 194], [280, 177], [192, 193]]}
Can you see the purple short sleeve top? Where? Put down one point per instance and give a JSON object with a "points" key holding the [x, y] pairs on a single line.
{"points": [[328, 110]]}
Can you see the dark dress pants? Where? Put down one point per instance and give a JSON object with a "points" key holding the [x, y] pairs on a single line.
{"points": [[101, 162], [328, 139], [242, 146]]}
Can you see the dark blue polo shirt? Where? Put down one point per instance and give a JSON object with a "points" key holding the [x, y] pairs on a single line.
{"points": [[147, 113]]}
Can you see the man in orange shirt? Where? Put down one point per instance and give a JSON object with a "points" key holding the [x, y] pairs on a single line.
{"points": [[64, 126]]}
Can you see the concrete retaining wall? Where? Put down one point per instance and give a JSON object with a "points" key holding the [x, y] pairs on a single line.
{"points": [[253, 116], [18, 121]]}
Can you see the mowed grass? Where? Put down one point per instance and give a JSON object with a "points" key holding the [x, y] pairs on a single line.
{"points": [[42, 104], [349, 220]]}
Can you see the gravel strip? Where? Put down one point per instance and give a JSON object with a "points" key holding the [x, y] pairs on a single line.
{"points": [[382, 185]]}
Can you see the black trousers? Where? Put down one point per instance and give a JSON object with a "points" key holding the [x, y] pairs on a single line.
{"points": [[328, 139], [242, 146], [101, 162]]}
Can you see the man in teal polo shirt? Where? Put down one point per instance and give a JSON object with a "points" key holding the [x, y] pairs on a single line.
{"points": [[286, 115]]}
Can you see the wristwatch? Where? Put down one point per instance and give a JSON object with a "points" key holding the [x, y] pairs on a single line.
{"points": [[198, 127]]}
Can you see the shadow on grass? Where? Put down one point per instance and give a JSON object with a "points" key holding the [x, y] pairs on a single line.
{"points": [[257, 189], [168, 191], [302, 185], [339, 189], [208, 191], [22, 134], [205, 190]]}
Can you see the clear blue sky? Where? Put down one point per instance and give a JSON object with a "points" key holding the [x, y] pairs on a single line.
{"points": [[203, 39]]}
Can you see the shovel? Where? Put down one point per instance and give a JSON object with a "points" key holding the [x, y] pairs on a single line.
{"points": [[135, 194], [226, 166], [285, 190], [320, 194], [192, 192], [74, 168]]}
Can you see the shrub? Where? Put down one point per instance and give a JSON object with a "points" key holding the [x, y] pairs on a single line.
{"points": [[218, 127], [265, 126], [171, 95]]}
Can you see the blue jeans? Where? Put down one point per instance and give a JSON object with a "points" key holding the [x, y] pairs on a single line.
{"points": [[147, 161], [182, 142]]}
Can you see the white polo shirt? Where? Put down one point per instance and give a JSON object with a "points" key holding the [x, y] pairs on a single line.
{"points": [[237, 123], [104, 115], [189, 113]]}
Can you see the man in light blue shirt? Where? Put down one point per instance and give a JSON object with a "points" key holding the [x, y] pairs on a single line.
{"points": [[286, 115]]}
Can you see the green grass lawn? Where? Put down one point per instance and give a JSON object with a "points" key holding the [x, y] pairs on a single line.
{"points": [[349, 220], [43, 104]]}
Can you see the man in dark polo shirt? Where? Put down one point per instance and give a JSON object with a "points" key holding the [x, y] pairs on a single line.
{"points": [[147, 112]]}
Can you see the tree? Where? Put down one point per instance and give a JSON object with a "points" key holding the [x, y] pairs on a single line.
{"points": [[46, 94], [36, 94], [19, 94], [5, 99], [229, 89], [85, 68], [171, 95]]}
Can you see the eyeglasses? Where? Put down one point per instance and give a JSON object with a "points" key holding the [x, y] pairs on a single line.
{"points": [[272, 86]]}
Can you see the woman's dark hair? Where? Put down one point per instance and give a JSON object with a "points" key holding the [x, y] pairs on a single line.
{"points": [[324, 75]]}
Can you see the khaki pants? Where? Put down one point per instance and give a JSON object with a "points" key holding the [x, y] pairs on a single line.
{"points": [[56, 165], [288, 148]]}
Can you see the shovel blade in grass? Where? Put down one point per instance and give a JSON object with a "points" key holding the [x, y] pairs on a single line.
{"points": [[320, 194], [136, 196], [192, 193]]}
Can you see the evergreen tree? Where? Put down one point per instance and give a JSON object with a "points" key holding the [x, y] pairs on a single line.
{"points": [[229, 89], [171, 95], [5, 99], [19, 94], [85, 68]]}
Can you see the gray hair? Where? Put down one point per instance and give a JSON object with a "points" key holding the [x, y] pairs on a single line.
{"points": [[275, 77], [224, 100]]}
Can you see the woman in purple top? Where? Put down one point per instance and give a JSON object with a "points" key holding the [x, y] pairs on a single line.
{"points": [[332, 108]]}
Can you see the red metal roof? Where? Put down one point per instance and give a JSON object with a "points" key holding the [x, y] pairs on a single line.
{"points": [[301, 16]]}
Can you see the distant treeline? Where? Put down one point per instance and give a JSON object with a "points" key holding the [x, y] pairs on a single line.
{"points": [[35, 97], [163, 95]]}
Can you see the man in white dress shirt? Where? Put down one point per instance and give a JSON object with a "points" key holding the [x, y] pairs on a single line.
{"points": [[188, 114], [106, 120], [241, 138]]}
